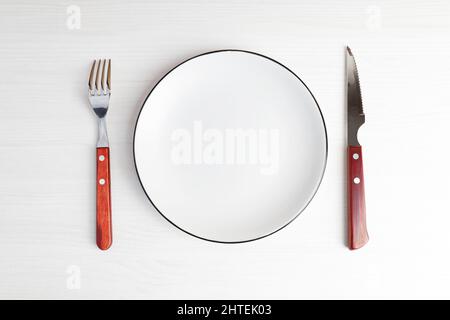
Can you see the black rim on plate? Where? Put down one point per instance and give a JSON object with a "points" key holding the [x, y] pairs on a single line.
{"points": [[318, 108]]}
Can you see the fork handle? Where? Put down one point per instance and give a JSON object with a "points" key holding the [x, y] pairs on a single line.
{"points": [[104, 223]]}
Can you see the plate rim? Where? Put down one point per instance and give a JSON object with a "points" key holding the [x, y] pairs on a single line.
{"points": [[321, 116]]}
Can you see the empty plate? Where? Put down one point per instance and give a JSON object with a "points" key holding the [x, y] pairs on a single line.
{"points": [[230, 146]]}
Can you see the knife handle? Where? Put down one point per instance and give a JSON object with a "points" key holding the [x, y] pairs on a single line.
{"points": [[104, 225], [357, 229]]}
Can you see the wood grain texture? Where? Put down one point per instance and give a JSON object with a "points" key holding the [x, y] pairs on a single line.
{"points": [[47, 167], [357, 227], [104, 220]]}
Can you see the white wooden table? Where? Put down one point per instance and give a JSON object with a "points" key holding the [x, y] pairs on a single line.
{"points": [[48, 135]]}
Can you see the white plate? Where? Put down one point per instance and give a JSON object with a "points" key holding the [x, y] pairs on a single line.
{"points": [[230, 146]]}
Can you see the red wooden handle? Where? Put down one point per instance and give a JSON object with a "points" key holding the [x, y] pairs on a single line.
{"points": [[357, 229], [104, 225]]}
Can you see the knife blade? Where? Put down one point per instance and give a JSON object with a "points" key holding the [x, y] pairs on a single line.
{"points": [[357, 227]]}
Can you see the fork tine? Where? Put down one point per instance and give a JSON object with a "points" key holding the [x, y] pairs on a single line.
{"points": [[91, 76], [97, 78], [103, 75], [108, 78]]}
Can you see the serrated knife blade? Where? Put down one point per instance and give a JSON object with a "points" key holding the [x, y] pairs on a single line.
{"points": [[357, 227], [355, 111]]}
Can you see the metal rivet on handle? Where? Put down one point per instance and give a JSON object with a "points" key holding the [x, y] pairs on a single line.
{"points": [[355, 156], [101, 158], [101, 181], [356, 180]]}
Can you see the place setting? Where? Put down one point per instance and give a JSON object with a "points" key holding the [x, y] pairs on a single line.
{"points": [[229, 146]]}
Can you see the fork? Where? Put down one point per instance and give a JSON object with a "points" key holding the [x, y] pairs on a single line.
{"points": [[99, 94]]}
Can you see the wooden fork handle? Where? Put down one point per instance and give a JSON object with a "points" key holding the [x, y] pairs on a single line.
{"points": [[104, 223], [357, 229]]}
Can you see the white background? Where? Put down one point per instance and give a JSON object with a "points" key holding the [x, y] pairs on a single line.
{"points": [[48, 135]]}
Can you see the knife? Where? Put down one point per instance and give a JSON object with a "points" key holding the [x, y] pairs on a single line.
{"points": [[357, 229]]}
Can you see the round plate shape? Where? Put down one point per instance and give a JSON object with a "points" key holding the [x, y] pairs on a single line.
{"points": [[230, 146]]}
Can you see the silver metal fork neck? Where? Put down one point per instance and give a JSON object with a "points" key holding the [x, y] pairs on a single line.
{"points": [[102, 134]]}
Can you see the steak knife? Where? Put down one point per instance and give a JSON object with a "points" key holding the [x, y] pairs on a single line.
{"points": [[357, 228]]}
